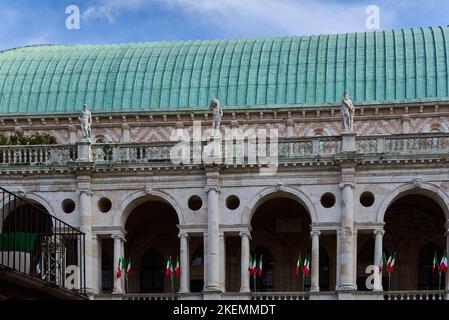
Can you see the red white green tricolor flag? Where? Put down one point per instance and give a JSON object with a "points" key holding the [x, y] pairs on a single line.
{"points": [[383, 262], [129, 269], [298, 264], [306, 265], [259, 269], [169, 268], [177, 268], [39, 267], [391, 262], [443, 263], [435, 265], [252, 265], [119, 268]]}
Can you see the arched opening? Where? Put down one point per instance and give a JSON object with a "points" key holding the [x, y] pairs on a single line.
{"points": [[152, 272], [280, 230], [412, 222], [152, 238]]}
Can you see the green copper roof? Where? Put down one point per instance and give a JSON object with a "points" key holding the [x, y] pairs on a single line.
{"points": [[406, 65]]}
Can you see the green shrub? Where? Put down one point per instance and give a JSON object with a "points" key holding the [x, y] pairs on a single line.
{"points": [[20, 139]]}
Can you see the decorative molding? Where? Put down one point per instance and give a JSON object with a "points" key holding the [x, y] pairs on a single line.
{"points": [[418, 183], [148, 189]]}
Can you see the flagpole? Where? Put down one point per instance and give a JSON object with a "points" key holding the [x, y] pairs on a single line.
{"points": [[389, 281], [254, 276], [439, 280], [303, 282]]}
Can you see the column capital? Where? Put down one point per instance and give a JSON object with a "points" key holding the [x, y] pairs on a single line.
{"points": [[84, 190], [379, 231], [245, 234], [183, 234], [347, 183], [315, 233], [118, 236], [211, 187]]}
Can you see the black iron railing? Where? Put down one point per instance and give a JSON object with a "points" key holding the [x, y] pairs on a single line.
{"points": [[39, 245]]}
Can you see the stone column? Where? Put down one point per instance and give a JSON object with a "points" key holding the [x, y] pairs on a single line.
{"points": [[118, 239], [378, 237], [222, 261], [184, 285], [99, 249], [346, 251], [244, 262], [213, 240], [337, 258], [90, 254], [315, 283]]}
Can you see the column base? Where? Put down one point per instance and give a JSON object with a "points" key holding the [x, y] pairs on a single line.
{"points": [[212, 294], [316, 289], [346, 294]]}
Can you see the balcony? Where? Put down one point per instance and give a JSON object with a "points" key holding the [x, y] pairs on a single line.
{"points": [[291, 296], [287, 150], [40, 255]]}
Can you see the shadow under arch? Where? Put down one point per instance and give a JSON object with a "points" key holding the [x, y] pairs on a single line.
{"points": [[273, 193], [31, 199], [137, 198], [426, 189]]}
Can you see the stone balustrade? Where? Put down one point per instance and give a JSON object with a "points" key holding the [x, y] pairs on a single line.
{"points": [[280, 296], [37, 154], [261, 296], [150, 296], [288, 150], [415, 295]]}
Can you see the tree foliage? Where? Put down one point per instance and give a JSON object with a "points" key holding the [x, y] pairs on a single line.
{"points": [[20, 139]]}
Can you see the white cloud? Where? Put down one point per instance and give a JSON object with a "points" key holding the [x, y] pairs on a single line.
{"points": [[253, 17], [96, 12]]}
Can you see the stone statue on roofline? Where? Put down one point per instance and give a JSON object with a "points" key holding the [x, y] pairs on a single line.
{"points": [[217, 114], [347, 113], [86, 122]]}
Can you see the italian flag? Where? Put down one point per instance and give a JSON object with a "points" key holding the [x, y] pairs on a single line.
{"points": [[168, 268], [306, 266], [392, 263], [129, 269], [259, 269], [252, 266], [435, 263], [298, 264], [383, 263], [443, 263], [39, 267], [177, 268], [119, 268]]}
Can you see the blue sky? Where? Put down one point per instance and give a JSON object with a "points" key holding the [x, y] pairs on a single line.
{"points": [[27, 22]]}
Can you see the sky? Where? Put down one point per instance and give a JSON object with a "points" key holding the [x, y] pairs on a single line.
{"points": [[31, 22]]}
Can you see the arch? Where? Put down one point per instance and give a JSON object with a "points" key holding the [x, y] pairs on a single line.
{"points": [[276, 192], [320, 131], [30, 197], [135, 199], [426, 189], [34, 197], [439, 127]]}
